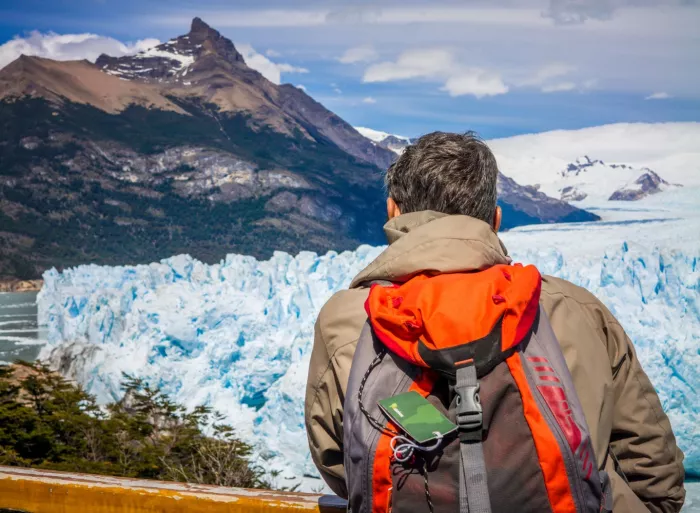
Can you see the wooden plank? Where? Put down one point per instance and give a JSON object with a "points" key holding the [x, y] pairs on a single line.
{"points": [[43, 491]]}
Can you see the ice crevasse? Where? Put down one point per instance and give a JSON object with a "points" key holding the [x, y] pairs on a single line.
{"points": [[238, 335]]}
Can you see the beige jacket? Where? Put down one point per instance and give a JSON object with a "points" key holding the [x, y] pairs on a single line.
{"points": [[621, 407]]}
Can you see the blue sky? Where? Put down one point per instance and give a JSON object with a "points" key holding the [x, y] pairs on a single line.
{"points": [[501, 67]]}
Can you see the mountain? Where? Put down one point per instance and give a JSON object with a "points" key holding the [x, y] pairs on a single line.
{"points": [[594, 180], [620, 162], [395, 143], [648, 183], [520, 204], [183, 148]]}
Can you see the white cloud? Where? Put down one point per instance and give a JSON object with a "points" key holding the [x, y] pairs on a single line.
{"points": [[65, 47], [428, 63], [514, 37], [369, 100], [272, 53], [658, 96], [550, 79], [438, 65], [270, 70], [477, 82], [364, 53], [559, 87], [337, 90], [575, 12], [301, 86], [549, 72], [368, 14]]}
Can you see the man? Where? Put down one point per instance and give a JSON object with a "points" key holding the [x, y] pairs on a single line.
{"points": [[443, 218]]}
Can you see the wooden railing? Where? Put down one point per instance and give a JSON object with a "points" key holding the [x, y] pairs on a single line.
{"points": [[43, 491]]}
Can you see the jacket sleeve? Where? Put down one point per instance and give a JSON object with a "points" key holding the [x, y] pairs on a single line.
{"points": [[642, 440], [323, 416]]}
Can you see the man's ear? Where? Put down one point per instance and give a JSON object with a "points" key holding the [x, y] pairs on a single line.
{"points": [[497, 218], [392, 209]]}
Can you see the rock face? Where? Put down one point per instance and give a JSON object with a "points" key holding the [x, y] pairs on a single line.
{"points": [[206, 64], [395, 144], [581, 165], [183, 148], [572, 193], [648, 183], [202, 48], [527, 205], [15, 285]]}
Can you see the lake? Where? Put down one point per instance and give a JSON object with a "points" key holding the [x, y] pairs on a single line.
{"points": [[21, 337]]}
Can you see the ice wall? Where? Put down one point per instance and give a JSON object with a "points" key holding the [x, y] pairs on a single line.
{"points": [[238, 335]]}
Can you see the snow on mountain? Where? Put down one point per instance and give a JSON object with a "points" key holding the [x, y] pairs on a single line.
{"points": [[672, 150], [372, 135], [521, 204], [238, 335], [171, 61], [648, 183], [395, 143], [593, 164], [584, 178]]}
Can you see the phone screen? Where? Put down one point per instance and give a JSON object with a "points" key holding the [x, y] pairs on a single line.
{"points": [[417, 417]]}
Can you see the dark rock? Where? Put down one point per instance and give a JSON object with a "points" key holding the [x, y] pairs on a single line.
{"points": [[572, 193], [581, 165], [646, 184], [527, 205]]}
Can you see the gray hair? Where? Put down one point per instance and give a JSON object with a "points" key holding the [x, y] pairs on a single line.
{"points": [[448, 173]]}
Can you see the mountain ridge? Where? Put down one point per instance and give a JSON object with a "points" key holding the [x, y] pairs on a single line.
{"points": [[216, 73], [118, 168]]}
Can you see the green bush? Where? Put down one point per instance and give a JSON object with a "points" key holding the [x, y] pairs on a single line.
{"points": [[47, 422]]}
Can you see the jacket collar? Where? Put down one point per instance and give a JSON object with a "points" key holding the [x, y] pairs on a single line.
{"points": [[433, 242]]}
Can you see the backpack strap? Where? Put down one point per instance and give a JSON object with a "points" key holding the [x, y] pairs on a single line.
{"points": [[473, 490]]}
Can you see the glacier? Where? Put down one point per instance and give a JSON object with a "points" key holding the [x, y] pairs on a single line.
{"points": [[237, 335]]}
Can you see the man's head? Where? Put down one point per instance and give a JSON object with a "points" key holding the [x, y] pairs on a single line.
{"points": [[448, 173]]}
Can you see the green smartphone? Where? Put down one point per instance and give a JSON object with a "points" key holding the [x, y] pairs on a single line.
{"points": [[417, 417]]}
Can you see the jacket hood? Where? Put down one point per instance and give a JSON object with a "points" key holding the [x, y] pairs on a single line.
{"points": [[433, 243], [451, 319]]}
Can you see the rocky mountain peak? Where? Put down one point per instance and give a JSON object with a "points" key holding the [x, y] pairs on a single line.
{"points": [[648, 183], [175, 59], [200, 27], [201, 33]]}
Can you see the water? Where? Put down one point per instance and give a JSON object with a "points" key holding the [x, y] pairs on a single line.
{"points": [[21, 337]]}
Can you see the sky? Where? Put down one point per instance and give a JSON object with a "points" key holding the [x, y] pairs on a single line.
{"points": [[500, 67]]}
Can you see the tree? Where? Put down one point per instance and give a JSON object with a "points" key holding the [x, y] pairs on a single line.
{"points": [[48, 422]]}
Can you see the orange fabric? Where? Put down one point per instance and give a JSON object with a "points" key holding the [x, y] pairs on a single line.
{"points": [[381, 473], [453, 309], [548, 452], [381, 467]]}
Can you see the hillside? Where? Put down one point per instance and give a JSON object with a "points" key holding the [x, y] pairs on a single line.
{"points": [[183, 148]]}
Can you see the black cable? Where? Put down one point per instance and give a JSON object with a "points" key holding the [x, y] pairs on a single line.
{"points": [[428, 497], [383, 428], [374, 422]]}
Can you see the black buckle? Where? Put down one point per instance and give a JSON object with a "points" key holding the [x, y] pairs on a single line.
{"points": [[470, 418]]}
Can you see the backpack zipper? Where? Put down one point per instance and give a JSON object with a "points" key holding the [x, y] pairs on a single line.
{"points": [[374, 440], [554, 426]]}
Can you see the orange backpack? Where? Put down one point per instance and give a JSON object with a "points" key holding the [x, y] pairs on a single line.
{"points": [[480, 348]]}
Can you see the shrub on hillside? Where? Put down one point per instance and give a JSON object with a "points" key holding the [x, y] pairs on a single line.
{"points": [[48, 422]]}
